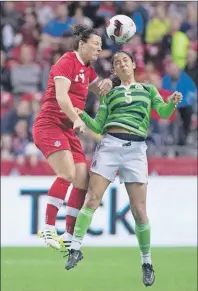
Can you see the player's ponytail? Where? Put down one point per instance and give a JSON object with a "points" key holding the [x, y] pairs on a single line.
{"points": [[115, 81], [81, 32]]}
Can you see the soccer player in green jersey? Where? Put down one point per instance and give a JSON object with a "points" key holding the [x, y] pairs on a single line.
{"points": [[123, 118]]}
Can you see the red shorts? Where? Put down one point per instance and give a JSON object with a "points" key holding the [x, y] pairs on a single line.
{"points": [[50, 138]]}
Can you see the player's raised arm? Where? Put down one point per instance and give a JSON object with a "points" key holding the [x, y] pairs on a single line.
{"points": [[165, 110], [96, 124]]}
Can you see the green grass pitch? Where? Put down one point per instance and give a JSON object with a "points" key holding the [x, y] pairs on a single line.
{"points": [[103, 269]]}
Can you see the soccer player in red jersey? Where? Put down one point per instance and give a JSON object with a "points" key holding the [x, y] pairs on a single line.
{"points": [[54, 128]]}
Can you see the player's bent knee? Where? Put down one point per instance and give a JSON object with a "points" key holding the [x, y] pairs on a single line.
{"points": [[92, 200], [70, 177]]}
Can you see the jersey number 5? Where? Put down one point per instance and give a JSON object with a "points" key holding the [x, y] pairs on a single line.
{"points": [[81, 76], [128, 97]]}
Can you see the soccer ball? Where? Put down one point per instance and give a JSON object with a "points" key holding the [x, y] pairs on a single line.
{"points": [[120, 29]]}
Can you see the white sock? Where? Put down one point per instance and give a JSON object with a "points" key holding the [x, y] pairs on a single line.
{"points": [[76, 244], [66, 236], [146, 258], [48, 226]]}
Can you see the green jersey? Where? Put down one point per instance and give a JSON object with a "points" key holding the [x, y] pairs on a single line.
{"points": [[129, 107]]}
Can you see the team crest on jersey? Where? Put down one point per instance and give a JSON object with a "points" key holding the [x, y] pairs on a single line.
{"points": [[139, 86], [57, 143]]}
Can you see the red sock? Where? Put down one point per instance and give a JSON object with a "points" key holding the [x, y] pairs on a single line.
{"points": [[74, 204], [56, 196]]}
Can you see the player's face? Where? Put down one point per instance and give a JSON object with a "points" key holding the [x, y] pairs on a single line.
{"points": [[92, 48], [123, 66]]}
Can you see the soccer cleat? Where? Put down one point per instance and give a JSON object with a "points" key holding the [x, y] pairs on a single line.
{"points": [[50, 237], [148, 277], [74, 257], [65, 245]]}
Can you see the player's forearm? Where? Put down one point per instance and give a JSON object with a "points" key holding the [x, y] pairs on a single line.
{"points": [[67, 107], [166, 109], [91, 123]]}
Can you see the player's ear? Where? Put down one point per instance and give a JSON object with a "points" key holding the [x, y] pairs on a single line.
{"points": [[134, 65]]}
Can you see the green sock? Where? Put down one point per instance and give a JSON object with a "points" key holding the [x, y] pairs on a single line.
{"points": [[83, 222], [143, 232]]}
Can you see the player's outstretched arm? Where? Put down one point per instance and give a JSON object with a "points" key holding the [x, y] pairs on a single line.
{"points": [[165, 110], [95, 124]]}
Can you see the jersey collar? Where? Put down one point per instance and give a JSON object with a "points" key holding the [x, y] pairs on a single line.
{"points": [[128, 86], [79, 58]]}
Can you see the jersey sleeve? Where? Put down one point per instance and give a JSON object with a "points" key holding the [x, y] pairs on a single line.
{"points": [[93, 77], [64, 69], [97, 124], [165, 110]]}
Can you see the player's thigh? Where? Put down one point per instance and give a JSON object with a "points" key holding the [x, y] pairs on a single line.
{"points": [[82, 176], [137, 193], [134, 167], [63, 164], [96, 189], [106, 160], [54, 145]]}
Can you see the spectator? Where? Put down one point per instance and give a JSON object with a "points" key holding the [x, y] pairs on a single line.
{"points": [[6, 147], [106, 9], [31, 29], [44, 12], [54, 30], [137, 13], [21, 112], [80, 18], [192, 65], [26, 75], [170, 42], [190, 25], [177, 80], [5, 75], [20, 140], [158, 26]]}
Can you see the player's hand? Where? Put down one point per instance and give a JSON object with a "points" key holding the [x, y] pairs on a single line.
{"points": [[104, 86], [79, 126], [78, 111], [176, 97]]}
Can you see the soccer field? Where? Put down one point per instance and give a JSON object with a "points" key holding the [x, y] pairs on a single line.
{"points": [[103, 269]]}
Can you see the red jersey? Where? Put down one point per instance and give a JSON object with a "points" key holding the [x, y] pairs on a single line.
{"points": [[70, 67]]}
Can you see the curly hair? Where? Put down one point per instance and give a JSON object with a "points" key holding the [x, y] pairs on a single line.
{"points": [[81, 32]]}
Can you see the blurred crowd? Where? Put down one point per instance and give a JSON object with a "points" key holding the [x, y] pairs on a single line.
{"points": [[35, 34]]}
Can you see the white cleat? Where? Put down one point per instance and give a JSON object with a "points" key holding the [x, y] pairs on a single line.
{"points": [[50, 237]]}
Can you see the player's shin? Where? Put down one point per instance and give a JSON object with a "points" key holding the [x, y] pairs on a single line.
{"points": [[143, 236], [82, 224], [74, 204], [56, 196]]}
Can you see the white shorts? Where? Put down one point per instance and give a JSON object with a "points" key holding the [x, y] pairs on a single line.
{"points": [[114, 155]]}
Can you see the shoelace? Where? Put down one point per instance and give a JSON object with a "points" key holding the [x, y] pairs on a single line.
{"points": [[148, 269]]}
